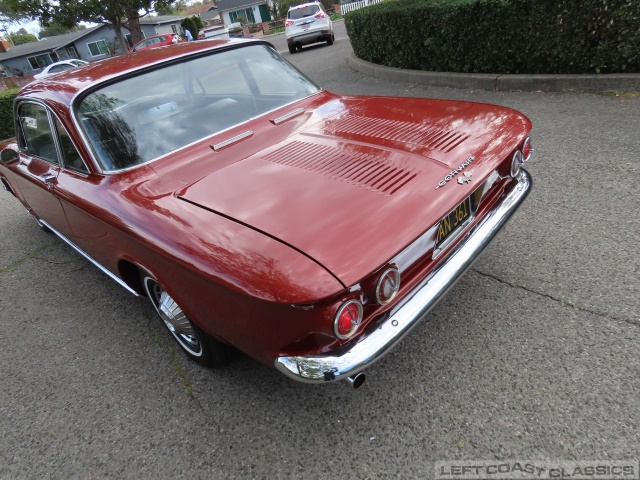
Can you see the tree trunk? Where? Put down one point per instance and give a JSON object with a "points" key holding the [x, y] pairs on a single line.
{"points": [[121, 42], [133, 25]]}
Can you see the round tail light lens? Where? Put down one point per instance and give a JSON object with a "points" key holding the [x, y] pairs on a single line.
{"points": [[527, 150], [516, 163], [348, 318], [388, 286]]}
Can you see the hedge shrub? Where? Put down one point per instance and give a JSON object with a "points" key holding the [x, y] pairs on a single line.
{"points": [[500, 36], [7, 128]]}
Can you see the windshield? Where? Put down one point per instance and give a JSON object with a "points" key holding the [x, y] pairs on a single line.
{"points": [[144, 117], [304, 11]]}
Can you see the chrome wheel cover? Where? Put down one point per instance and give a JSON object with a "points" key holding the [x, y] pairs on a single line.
{"points": [[173, 317]]}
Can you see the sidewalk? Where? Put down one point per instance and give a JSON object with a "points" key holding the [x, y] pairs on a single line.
{"points": [[620, 82]]}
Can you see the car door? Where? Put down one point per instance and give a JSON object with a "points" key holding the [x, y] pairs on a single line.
{"points": [[59, 187], [38, 167]]}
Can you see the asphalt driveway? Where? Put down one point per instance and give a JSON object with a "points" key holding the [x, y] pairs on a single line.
{"points": [[535, 354]]}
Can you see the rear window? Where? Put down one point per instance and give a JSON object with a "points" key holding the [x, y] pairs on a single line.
{"points": [[301, 12], [137, 119]]}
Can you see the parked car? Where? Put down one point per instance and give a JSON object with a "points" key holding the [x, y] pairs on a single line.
{"points": [[156, 41], [252, 208], [235, 29], [307, 23], [214, 32], [58, 67], [235, 26]]}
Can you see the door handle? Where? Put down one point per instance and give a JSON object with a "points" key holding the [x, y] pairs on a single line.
{"points": [[48, 178]]}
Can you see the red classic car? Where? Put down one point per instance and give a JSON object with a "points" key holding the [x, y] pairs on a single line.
{"points": [[311, 231], [156, 41]]}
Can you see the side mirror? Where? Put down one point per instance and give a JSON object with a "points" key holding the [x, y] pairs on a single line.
{"points": [[8, 155]]}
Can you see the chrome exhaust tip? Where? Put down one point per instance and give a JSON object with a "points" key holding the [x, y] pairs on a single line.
{"points": [[357, 380]]}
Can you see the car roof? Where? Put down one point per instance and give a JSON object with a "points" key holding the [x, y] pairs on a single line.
{"points": [[65, 85], [294, 7], [159, 35], [70, 60]]}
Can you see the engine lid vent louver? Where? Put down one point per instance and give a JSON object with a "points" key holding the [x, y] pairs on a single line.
{"points": [[372, 172], [441, 139]]}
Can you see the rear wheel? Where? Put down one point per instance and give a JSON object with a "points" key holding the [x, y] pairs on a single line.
{"points": [[292, 48], [331, 39], [196, 344]]}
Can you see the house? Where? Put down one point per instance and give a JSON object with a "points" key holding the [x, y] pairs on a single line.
{"points": [[29, 58], [160, 24], [245, 11], [90, 44], [208, 13]]}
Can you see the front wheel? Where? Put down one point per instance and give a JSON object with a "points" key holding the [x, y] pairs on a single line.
{"points": [[196, 344]]}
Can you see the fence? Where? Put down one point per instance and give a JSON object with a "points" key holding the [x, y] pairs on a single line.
{"points": [[350, 7], [15, 82]]}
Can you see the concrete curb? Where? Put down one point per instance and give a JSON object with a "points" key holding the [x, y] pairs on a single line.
{"points": [[624, 82]]}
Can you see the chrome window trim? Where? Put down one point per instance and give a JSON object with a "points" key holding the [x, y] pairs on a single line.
{"points": [[233, 44], [51, 116], [23, 100], [64, 164]]}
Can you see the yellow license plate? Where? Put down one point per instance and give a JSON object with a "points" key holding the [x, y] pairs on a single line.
{"points": [[454, 221]]}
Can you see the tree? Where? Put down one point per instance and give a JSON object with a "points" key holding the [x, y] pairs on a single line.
{"points": [[54, 29], [198, 22], [116, 14], [180, 6], [166, 10], [189, 24], [279, 8], [22, 36], [8, 13]]}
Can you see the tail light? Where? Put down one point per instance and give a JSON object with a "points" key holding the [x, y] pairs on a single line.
{"points": [[321, 15], [527, 150], [288, 23], [388, 286], [347, 319], [516, 163]]}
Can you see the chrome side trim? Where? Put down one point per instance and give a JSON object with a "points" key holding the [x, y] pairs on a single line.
{"points": [[351, 359], [85, 255], [232, 140], [288, 116]]}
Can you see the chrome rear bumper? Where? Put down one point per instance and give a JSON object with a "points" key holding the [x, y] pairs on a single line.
{"points": [[353, 358]]}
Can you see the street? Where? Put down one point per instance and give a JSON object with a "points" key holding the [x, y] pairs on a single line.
{"points": [[534, 354]]}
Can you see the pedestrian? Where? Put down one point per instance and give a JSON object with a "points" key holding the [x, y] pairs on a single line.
{"points": [[187, 34]]}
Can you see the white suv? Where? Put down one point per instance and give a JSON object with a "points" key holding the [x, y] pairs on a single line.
{"points": [[307, 23]]}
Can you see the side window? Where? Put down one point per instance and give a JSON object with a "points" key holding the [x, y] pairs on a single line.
{"points": [[70, 155], [37, 136]]}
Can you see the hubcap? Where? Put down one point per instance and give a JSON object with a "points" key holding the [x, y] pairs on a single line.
{"points": [[174, 318]]}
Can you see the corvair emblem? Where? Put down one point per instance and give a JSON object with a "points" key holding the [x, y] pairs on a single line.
{"points": [[455, 172], [464, 178]]}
